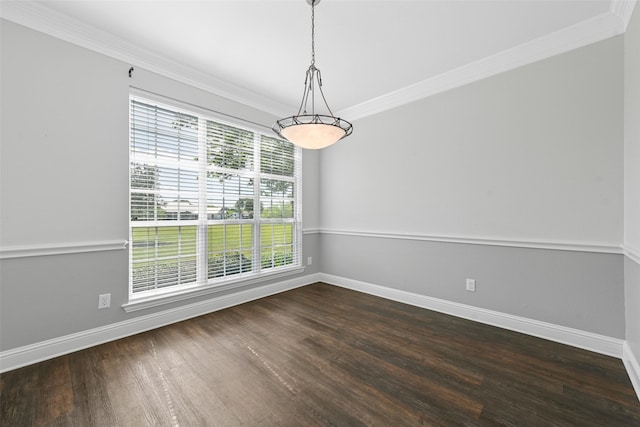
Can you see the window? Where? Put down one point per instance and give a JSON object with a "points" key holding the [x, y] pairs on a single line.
{"points": [[211, 202]]}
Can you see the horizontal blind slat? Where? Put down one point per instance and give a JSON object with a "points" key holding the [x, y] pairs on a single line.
{"points": [[167, 208]]}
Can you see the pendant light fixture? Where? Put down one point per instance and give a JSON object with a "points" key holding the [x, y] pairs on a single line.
{"points": [[308, 129]]}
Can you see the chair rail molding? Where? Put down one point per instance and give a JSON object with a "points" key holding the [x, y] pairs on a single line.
{"points": [[631, 252], [61, 248], [577, 246]]}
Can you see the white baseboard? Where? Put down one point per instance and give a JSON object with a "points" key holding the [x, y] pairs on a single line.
{"points": [[27, 355], [573, 337], [632, 364], [34, 353]]}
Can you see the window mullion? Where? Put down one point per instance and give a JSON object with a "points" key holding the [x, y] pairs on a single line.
{"points": [[170, 148], [202, 249], [297, 213], [257, 220]]}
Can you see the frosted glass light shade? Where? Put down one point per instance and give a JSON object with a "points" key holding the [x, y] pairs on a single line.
{"points": [[313, 131], [313, 135]]}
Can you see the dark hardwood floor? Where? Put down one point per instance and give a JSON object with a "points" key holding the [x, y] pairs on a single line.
{"points": [[323, 355]]}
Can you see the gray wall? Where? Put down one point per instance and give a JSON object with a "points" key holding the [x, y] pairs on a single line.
{"points": [[578, 290], [534, 154], [632, 180], [632, 309], [64, 179], [530, 155]]}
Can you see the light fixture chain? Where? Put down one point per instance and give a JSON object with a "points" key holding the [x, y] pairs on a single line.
{"points": [[307, 129], [313, 32]]}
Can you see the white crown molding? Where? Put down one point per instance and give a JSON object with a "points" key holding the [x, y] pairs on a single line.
{"points": [[61, 248], [623, 9], [33, 353], [573, 337], [631, 252], [487, 241], [632, 365], [39, 17], [581, 34]]}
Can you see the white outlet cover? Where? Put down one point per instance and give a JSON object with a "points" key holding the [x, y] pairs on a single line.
{"points": [[471, 285], [104, 301]]}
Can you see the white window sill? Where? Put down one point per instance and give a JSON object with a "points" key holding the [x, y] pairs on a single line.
{"points": [[142, 303]]}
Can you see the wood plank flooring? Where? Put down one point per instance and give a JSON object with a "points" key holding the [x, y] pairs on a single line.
{"points": [[318, 356]]}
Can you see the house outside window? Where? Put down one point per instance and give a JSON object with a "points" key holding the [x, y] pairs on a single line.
{"points": [[211, 201]]}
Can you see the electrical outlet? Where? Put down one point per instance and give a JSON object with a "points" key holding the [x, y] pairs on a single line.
{"points": [[309, 261], [104, 301], [471, 285]]}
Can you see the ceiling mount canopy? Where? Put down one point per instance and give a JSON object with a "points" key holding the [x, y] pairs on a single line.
{"points": [[308, 129]]}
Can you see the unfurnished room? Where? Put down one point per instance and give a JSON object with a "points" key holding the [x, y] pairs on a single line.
{"points": [[319, 213]]}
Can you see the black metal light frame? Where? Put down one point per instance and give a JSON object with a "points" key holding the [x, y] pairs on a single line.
{"points": [[303, 117]]}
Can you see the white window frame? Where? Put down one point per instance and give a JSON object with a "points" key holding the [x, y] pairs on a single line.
{"points": [[203, 285]]}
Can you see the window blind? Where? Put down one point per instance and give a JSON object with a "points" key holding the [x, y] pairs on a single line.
{"points": [[209, 201]]}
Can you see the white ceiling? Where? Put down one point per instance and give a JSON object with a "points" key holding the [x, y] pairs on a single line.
{"points": [[373, 54]]}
